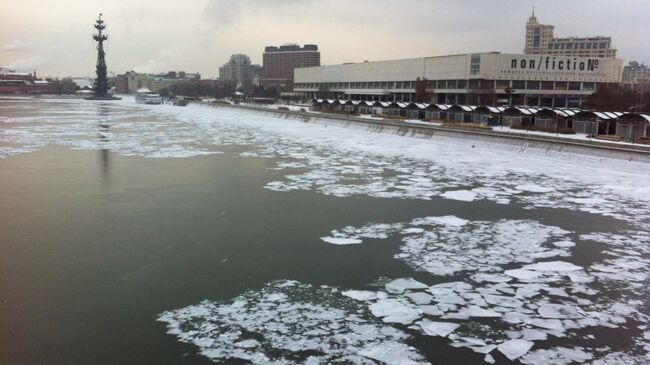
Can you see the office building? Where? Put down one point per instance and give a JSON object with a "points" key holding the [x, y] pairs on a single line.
{"points": [[540, 40], [471, 79], [279, 62]]}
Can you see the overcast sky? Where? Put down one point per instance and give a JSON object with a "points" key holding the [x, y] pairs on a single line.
{"points": [[199, 35]]}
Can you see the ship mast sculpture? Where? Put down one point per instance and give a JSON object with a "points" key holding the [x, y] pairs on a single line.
{"points": [[100, 86]]}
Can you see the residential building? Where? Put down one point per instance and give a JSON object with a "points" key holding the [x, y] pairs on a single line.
{"points": [[635, 73], [278, 63], [540, 40], [471, 79]]}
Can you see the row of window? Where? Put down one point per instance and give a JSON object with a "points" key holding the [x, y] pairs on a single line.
{"points": [[456, 84], [582, 45]]}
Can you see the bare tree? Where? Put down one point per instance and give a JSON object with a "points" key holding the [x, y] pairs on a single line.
{"points": [[422, 94]]}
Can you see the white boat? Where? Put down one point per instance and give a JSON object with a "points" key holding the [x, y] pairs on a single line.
{"points": [[145, 96]]}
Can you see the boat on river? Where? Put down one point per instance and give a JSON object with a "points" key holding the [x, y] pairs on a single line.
{"points": [[146, 96]]}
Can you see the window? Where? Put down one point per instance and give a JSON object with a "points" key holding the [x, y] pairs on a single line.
{"points": [[547, 85], [589, 45], [588, 86], [574, 86], [441, 84], [569, 45], [559, 85], [502, 84], [462, 84], [582, 46], [518, 85], [451, 84], [475, 64], [532, 85], [603, 45]]}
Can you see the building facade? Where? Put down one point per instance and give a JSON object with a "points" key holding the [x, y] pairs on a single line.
{"points": [[279, 62], [540, 40], [635, 73], [133, 81], [538, 36], [470, 79], [12, 82], [237, 70]]}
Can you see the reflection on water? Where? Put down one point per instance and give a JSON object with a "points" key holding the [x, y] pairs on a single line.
{"points": [[104, 130]]}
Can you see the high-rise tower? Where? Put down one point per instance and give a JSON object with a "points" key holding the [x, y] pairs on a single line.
{"points": [[538, 36]]}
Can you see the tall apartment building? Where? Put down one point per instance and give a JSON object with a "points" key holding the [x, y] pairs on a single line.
{"points": [[238, 70], [636, 72], [540, 40], [538, 36], [279, 62]]}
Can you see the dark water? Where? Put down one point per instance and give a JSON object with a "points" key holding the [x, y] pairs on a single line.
{"points": [[94, 246]]}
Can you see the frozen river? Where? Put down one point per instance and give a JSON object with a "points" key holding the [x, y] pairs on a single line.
{"points": [[158, 234]]}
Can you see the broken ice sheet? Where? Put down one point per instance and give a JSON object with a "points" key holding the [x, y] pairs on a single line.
{"points": [[544, 296], [287, 322]]}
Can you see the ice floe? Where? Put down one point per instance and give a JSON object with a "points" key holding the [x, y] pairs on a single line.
{"points": [[292, 323], [338, 160]]}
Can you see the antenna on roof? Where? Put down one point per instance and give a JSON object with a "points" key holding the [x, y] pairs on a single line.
{"points": [[533, 12]]}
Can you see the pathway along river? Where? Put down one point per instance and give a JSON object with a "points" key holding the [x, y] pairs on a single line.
{"points": [[161, 235]]}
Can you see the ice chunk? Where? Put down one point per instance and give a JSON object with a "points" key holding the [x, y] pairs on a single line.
{"points": [[558, 311], [462, 195], [533, 334], [564, 244], [522, 274], [394, 311], [362, 295], [555, 266], [551, 324], [398, 286], [442, 329], [412, 230], [493, 278], [534, 188], [449, 220], [341, 240], [513, 349], [419, 297], [393, 354], [475, 311]]}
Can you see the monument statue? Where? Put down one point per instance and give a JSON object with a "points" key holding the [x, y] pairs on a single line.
{"points": [[100, 86]]}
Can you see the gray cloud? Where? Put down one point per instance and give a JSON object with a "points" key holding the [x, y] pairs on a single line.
{"points": [[200, 35], [28, 64], [16, 46], [222, 13]]}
